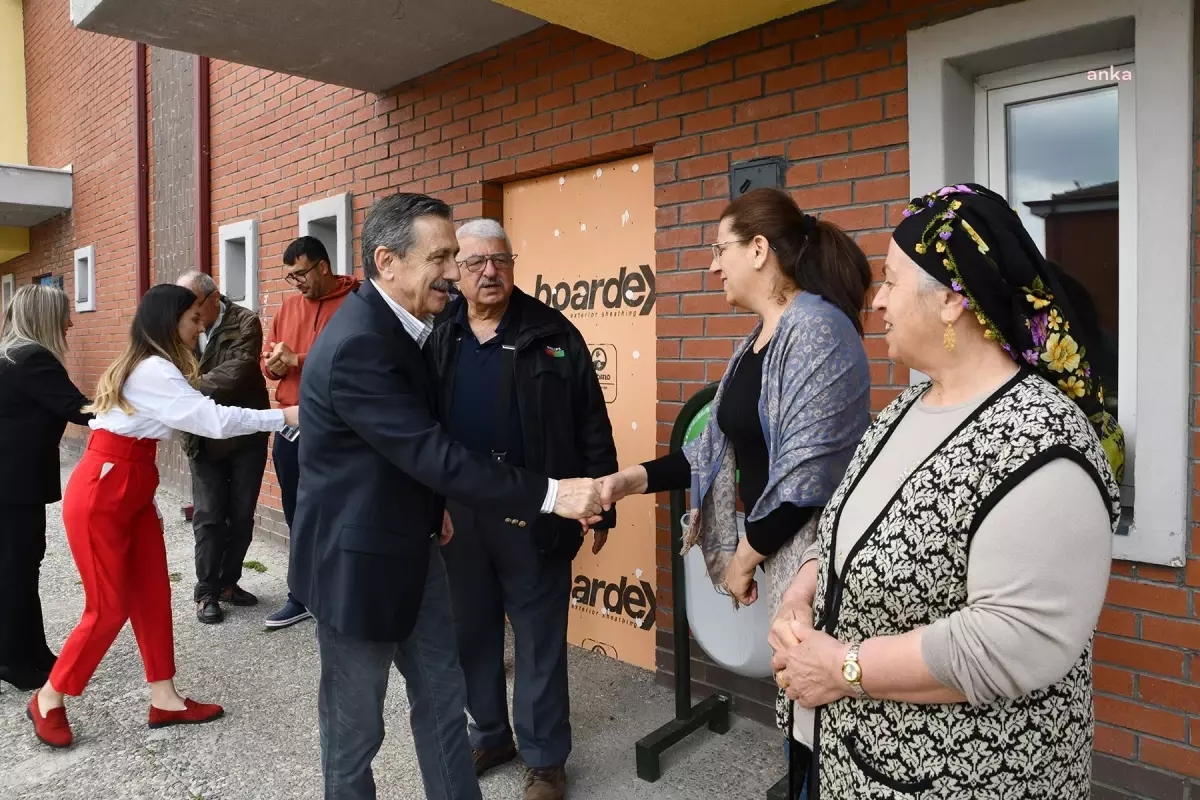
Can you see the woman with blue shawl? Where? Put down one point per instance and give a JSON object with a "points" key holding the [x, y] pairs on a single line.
{"points": [[793, 403]]}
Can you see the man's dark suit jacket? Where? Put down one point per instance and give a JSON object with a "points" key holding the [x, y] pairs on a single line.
{"points": [[375, 467], [37, 400]]}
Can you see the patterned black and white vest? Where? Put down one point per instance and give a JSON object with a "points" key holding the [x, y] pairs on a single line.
{"points": [[910, 569]]}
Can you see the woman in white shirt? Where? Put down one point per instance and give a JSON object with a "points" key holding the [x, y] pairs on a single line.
{"points": [[112, 523]]}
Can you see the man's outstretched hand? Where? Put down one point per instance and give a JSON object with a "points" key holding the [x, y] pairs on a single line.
{"points": [[578, 498]]}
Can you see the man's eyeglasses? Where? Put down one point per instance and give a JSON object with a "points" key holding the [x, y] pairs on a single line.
{"points": [[476, 263], [294, 278]]}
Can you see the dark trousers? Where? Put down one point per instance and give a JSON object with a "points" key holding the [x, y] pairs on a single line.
{"points": [[496, 570], [354, 679], [225, 495], [799, 767], [22, 547], [286, 456]]}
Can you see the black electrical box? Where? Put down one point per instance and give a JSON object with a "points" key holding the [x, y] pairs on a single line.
{"points": [[758, 172]]}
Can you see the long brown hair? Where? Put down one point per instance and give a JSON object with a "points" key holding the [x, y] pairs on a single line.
{"points": [[814, 255], [155, 332]]}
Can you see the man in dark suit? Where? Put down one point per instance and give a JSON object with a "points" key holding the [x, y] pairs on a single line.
{"points": [[374, 468]]}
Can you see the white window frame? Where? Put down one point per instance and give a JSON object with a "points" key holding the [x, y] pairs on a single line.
{"points": [[944, 65], [993, 94], [336, 208], [245, 232], [84, 269], [8, 288]]}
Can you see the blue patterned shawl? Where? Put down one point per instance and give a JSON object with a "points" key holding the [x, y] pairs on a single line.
{"points": [[815, 406]]}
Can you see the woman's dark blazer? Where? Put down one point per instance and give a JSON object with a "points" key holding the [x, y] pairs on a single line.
{"points": [[37, 400]]}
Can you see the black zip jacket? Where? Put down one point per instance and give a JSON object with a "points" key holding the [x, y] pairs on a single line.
{"points": [[564, 420]]}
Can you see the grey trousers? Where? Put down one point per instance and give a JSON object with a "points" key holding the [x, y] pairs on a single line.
{"points": [[354, 679], [496, 570]]}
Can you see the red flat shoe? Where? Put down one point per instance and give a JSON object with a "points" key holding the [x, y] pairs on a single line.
{"points": [[193, 714], [52, 729]]}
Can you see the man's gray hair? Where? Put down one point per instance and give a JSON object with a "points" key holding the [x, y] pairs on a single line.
{"points": [[484, 228], [200, 283], [390, 225]]}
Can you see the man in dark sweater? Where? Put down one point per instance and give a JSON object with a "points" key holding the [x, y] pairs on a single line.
{"points": [[518, 384]]}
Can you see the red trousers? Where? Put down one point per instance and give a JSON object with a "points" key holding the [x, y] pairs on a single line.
{"points": [[116, 539]]}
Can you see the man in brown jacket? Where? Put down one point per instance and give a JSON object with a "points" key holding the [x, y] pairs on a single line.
{"points": [[226, 474]]}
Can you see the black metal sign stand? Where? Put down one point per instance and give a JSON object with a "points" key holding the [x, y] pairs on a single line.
{"points": [[713, 711]]}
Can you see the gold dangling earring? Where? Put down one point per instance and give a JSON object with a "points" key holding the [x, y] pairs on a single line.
{"points": [[948, 338]]}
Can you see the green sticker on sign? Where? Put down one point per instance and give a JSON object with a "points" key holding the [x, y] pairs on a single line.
{"points": [[696, 427]]}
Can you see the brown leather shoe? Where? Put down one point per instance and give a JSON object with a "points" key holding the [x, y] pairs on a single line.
{"points": [[493, 757], [546, 783]]}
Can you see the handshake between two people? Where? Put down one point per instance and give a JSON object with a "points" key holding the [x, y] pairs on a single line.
{"points": [[585, 499]]}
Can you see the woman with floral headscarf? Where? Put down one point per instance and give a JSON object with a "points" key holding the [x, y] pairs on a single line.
{"points": [[937, 640]]}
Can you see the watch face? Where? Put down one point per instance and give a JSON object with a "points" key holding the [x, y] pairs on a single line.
{"points": [[851, 672]]}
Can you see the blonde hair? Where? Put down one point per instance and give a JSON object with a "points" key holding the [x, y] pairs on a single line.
{"points": [[155, 332], [37, 315]]}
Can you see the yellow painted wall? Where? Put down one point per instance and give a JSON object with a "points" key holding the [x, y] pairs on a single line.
{"points": [[13, 242], [14, 144], [14, 132], [660, 28]]}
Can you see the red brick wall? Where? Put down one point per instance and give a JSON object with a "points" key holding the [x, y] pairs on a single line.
{"points": [[79, 90], [825, 88]]}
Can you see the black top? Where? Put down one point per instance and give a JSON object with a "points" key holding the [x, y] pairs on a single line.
{"points": [[37, 400], [738, 419], [473, 408]]}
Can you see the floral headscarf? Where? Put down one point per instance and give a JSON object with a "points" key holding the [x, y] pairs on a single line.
{"points": [[968, 238]]}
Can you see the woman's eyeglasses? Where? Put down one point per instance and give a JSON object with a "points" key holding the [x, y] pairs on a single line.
{"points": [[476, 263], [719, 247]]}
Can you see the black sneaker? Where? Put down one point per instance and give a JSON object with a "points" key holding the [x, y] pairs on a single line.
{"points": [[208, 611], [238, 596], [291, 613]]}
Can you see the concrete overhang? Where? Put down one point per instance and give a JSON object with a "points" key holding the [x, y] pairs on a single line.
{"points": [[661, 28], [371, 45], [31, 195]]}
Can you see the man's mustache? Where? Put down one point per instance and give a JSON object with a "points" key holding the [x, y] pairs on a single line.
{"points": [[488, 283], [442, 285]]}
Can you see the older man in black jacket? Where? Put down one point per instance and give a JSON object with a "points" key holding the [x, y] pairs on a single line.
{"points": [[374, 467], [518, 384], [226, 473]]}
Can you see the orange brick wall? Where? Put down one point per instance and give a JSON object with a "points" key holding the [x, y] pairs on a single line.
{"points": [[824, 88], [79, 90]]}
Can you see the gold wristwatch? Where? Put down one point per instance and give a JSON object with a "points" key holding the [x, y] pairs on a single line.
{"points": [[852, 672]]}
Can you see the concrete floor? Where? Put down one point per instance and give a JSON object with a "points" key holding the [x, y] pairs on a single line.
{"points": [[267, 746]]}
